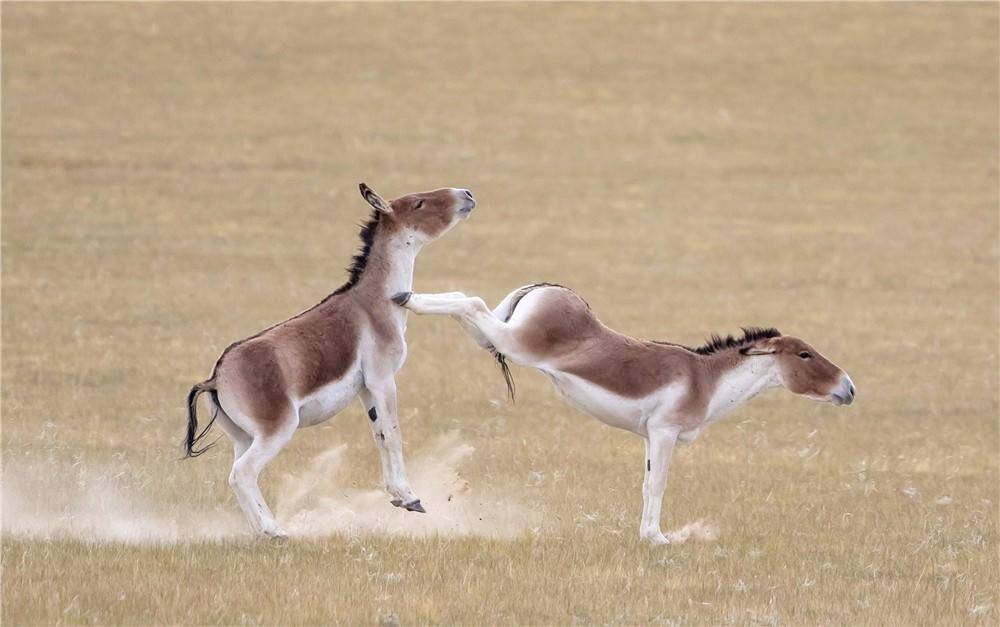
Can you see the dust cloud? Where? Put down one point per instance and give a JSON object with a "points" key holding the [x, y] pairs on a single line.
{"points": [[312, 504], [699, 531], [46, 499]]}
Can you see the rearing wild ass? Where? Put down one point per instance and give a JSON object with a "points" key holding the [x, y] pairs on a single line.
{"points": [[306, 369], [661, 391]]}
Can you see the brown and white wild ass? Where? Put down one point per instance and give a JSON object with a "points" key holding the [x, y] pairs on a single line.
{"points": [[661, 391], [306, 369]]}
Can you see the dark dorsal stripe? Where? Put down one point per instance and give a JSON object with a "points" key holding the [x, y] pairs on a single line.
{"points": [[530, 288]]}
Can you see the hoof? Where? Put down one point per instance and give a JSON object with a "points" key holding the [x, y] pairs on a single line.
{"points": [[415, 506], [276, 534], [657, 540], [412, 506], [402, 298]]}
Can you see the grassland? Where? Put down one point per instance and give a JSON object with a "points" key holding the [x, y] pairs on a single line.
{"points": [[177, 176]]}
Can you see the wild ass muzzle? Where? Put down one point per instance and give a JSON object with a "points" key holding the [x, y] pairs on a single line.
{"points": [[308, 368], [661, 391]]}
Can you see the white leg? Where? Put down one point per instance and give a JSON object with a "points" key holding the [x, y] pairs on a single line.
{"points": [[380, 395], [368, 401], [646, 466], [240, 438], [477, 335], [473, 314], [246, 471], [470, 328], [659, 447], [446, 304]]}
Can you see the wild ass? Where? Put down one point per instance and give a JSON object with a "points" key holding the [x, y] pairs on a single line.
{"points": [[306, 369], [661, 391]]}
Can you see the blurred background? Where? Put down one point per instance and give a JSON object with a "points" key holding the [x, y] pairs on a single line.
{"points": [[179, 176]]}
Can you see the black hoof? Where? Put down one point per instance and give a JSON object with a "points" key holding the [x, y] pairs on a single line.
{"points": [[415, 506], [412, 506], [402, 298]]}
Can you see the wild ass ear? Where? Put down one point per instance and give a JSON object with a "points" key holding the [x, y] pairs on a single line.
{"points": [[374, 199], [759, 350]]}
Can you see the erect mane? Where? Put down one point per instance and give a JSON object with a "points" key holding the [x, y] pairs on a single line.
{"points": [[360, 260], [717, 343]]}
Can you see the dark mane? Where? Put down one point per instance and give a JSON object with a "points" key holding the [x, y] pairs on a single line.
{"points": [[750, 335], [717, 343], [360, 260]]}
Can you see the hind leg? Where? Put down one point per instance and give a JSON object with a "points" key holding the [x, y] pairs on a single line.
{"points": [[247, 469], [474, 316], [444, 298], [241, 439]]}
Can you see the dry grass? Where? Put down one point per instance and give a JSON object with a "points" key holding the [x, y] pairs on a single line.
{"points": [[178, 176]]}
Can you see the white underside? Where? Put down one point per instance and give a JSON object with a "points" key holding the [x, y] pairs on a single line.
{"points": [[630, 414], [333, 397], [330, 399]]}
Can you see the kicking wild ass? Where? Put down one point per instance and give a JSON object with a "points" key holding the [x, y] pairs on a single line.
{"points": [[306, 369], [661, 391]]}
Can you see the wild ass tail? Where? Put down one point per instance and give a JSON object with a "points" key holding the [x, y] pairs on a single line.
{"points": [[504, 311], [505, 370], [193, 435]]}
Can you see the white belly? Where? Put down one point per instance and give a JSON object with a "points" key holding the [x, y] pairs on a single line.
{"points": [[330, 399], [608, 407]]}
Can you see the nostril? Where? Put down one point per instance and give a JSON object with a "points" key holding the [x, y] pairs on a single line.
{"points": [[468, 194]]}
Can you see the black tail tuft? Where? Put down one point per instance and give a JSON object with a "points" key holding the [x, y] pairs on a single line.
{"points": [[193, 435], [505, 369]]}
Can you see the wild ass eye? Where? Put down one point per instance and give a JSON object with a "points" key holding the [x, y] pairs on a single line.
{"points": [[420, 203], [805, 355]]}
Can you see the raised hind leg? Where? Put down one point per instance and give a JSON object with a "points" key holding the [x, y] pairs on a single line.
{"points": [[246, 471], [476, 318]]}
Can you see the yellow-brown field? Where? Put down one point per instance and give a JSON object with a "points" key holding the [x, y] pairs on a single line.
{"points": [[178, 176]]}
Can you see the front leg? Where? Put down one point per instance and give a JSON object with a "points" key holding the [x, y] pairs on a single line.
{"points": [[368, 402], [660, 442], [379, 397]]}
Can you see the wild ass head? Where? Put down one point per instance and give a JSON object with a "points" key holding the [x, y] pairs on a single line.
{"points": [[427, 215], [803, 370]]}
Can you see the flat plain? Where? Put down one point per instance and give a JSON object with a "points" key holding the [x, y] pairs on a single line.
{"points": [[179, 176]]}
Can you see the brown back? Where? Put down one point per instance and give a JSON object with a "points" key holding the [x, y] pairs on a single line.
{"points": [[564, 332]]}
